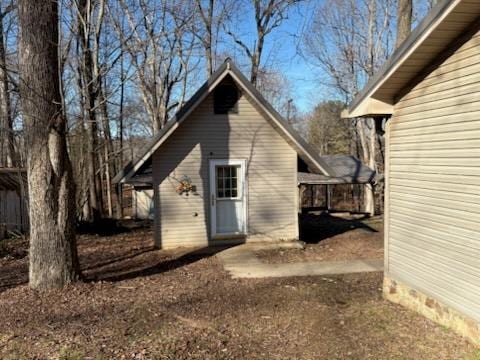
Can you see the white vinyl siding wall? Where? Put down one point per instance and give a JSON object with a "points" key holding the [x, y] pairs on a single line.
{"points": [[271, 175], [433, 199]]}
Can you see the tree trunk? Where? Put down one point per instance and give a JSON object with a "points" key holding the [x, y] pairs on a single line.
{"points": [[209, 56], [365, 145], [404, 20], [118, 188], [256, 57], [369, 194], [209, 48], [207, 41], [110, 168], [7, 148], [53, 252], [372, 29], [90, 90], [254, 71]]}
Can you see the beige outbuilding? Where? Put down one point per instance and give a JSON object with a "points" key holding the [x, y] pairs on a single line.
{"points": [[13, 202], [224, 169], [430, 92]]}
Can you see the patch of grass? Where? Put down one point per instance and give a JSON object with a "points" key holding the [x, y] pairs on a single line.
{"points": [[445, 328], [475, 355], [376, 223], [15, 352], [70, 354]]}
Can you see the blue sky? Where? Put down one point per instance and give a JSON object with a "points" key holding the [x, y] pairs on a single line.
{"points": [[282, 52], [303, 76]]}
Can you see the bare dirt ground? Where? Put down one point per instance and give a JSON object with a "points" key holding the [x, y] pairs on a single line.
{"points": [[332, 238], [139, 303]]}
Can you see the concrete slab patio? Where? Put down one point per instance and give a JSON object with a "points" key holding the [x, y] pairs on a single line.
{"points": [[241, 262]]}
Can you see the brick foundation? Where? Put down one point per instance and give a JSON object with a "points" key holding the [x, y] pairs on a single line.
{"points": [[412, 299]]}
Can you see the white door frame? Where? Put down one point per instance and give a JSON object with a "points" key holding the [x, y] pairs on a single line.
{"points": [[213, 196]]}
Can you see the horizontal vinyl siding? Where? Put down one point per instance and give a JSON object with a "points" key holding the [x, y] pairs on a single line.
{"points": [[434, 183], [271, 168]]}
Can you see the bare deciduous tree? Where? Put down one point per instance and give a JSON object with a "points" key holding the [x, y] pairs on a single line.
{"points": [[348, 41], [269, 15], [97, 53], [87, 50], [53, 253], [207, 27], [160, 46], [206, 12]]}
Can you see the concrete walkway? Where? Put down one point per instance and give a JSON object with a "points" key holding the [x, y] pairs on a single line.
{"points": [[241, 262]]}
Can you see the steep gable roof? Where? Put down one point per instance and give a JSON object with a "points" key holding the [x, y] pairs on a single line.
{"points": [[445, 23], [305, 152]]}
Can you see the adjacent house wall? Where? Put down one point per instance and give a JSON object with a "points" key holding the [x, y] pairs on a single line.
{"points": [[433, 187], [271, 170]]}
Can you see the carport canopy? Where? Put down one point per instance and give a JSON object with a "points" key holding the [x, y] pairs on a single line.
{"points": [[348, 170]]}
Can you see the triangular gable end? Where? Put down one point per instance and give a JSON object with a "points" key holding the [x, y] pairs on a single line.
{"points": [[305, 152]]}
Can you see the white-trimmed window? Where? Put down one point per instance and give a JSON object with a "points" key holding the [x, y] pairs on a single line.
{"points": [[227, 181]]}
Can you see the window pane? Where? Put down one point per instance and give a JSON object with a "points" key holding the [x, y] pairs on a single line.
{"points": [[227, 181]]}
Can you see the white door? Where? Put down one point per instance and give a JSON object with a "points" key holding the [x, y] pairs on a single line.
{"points": [[227, 198]]}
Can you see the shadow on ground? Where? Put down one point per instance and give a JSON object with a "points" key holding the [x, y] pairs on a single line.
{"points": [[146, 262], [107, 227], [129, 252], [12, 274], [116, 251], [317, 227], [108, 251], [125, 250]]}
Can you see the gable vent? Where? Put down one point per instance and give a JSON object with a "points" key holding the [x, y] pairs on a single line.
{"points": [[225, 99]]}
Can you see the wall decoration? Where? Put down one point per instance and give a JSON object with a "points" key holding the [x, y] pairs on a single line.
{"points": [[185, 186]]}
